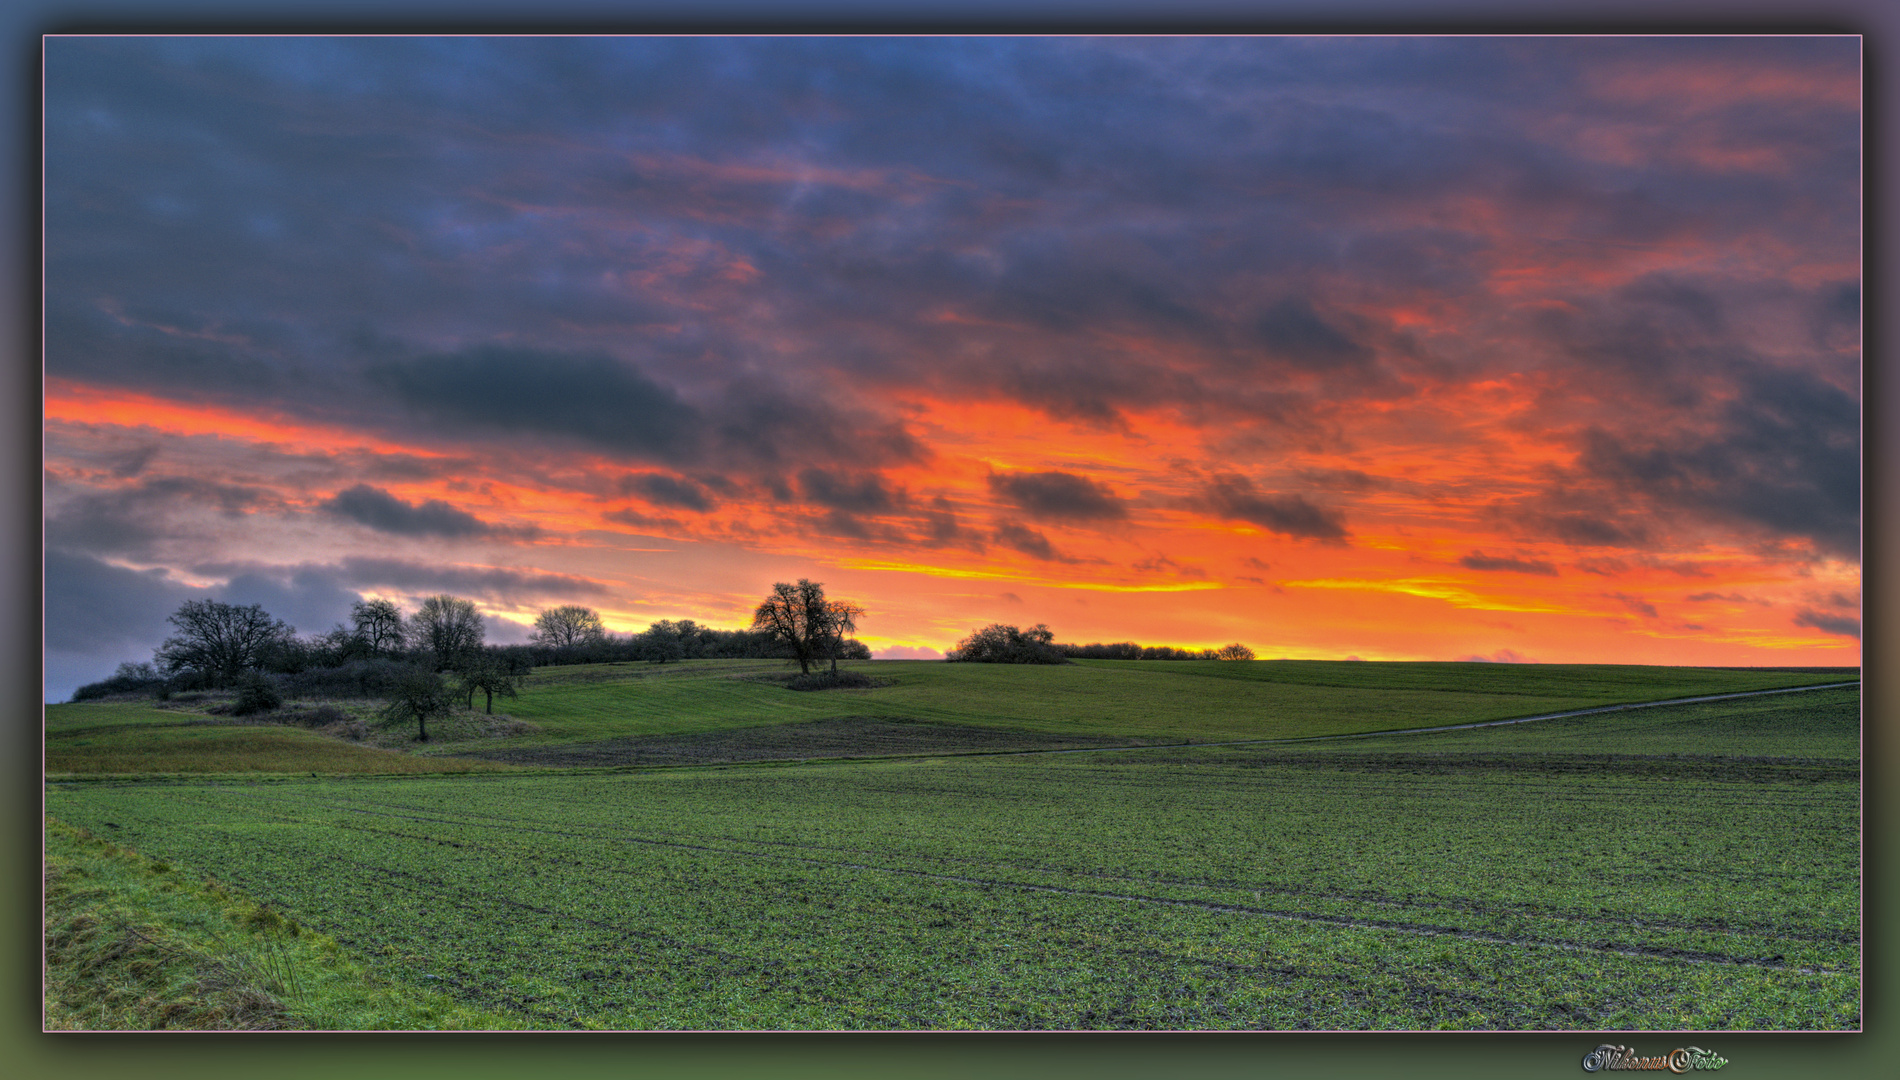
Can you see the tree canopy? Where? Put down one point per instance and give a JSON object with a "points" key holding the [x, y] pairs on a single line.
{"points": [[567, 626], [802, 619], [1001, 644], [379, 624], [220, 641], [449, 627]]}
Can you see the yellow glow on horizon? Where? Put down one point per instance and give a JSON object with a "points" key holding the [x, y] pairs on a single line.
{"points": [[1451, 592]]}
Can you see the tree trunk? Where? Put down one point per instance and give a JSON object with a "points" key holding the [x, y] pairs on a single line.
{"points": [[422, 725], [491, 701]]}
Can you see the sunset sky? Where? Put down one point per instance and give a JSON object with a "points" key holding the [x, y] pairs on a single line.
{"points": [[1535, 349]]}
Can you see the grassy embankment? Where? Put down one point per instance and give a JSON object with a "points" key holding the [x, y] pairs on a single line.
{"points": [[138, 944], [118, 738]]}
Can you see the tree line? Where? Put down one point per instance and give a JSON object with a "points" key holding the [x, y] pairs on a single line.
{"points": [[219, 646], [999, 643]]}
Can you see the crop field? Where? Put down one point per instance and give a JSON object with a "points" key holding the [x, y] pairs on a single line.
{"points": [[1679, 867]]}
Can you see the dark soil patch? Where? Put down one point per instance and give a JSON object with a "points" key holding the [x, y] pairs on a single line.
{"points": [[863, 737]]}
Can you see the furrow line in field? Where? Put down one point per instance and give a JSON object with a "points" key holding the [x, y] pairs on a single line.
{"points": [[1345, 921], [1817, 934]]}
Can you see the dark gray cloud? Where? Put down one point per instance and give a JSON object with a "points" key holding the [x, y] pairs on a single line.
{"points": [[310, 598], [1293, 331], [1843, 625], [591, 399], [666, 490], [1020, 537], [1609, 522], [488, 583], [1731, 597], [96, 608], [384, 512], [1478, 560], [1059, 496], [1785, 460], [1233, 496], [1635, 603], [99, 616], [941, 527], [860, 493], [133, 520]]}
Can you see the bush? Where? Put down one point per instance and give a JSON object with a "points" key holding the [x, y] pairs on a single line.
{"points": [[321, 716], [256, 694], [1000, 644], [129, 679], [356, 679], [830, 680]]}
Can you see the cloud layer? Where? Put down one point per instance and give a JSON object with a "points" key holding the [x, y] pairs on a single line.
{"points": [[1120, 313]]}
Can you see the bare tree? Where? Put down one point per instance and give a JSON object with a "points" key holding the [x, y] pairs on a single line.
{"points": [[418, 696], [379, 624], [219, 641], [1236, 651], [448, 626], [491, 675], [569, 625], [832, 620], [800, 617]]}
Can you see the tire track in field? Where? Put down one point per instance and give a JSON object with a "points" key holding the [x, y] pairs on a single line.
{"points": [[840, 855], [1641, 952]]}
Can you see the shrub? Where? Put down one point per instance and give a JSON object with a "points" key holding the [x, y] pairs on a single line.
{"points": [[256, 694], [356, 679], [129, 679], [830, 680]]}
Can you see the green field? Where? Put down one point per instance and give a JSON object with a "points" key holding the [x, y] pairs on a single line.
{"points": [[1689, 866], [1169, 701], [126, 739]]}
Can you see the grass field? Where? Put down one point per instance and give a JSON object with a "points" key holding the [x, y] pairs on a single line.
{"points": [[119, 738], [1678, 867], [1168, 701]]}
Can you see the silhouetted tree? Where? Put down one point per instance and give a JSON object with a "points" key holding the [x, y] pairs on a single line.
{"points": [[218, 642], [379, 624], [1236, 651], [660, 643], [449, 627], [800, 617], [418, 695], [563, 627], [1000, 644], [491, 674]]}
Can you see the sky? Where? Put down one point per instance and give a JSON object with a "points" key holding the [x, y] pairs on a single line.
{"points": [[1400, 348]]}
